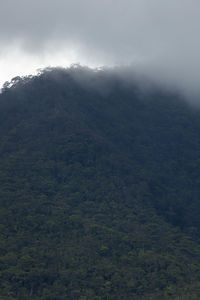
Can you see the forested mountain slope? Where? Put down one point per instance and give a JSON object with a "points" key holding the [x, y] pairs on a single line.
{"points": [[99, 189]]}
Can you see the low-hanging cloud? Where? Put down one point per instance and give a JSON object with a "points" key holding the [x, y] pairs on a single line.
{"points": [[158, 38]]}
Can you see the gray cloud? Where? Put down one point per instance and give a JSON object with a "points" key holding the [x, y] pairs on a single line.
{"points": [[159, 38]]}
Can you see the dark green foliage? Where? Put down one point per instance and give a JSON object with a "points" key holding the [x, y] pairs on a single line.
{"points": [[99, 190]]}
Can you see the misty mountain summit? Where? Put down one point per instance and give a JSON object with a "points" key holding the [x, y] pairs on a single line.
{"points": [[99, 188]]}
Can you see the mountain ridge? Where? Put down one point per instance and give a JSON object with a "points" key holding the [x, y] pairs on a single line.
{"points": [[99, 189]]}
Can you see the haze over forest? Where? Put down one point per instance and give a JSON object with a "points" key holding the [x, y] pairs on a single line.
{"points": [[157, 38], [99, 150]]}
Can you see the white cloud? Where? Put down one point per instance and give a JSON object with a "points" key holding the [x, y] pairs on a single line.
{"points": [[158, 37]]}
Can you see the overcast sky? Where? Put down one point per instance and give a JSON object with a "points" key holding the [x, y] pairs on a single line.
{"points": [[158, 37]]}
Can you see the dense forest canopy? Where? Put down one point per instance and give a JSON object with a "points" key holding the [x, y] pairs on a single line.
{"points": [[99, 188]]}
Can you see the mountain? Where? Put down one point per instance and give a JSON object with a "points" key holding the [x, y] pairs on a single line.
{"points": [[99, 189]]}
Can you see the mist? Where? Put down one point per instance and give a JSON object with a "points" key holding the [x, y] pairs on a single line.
{"points": [[156, 39]]}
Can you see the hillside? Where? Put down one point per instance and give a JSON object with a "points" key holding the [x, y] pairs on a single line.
{"points": [[99, 189]]}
